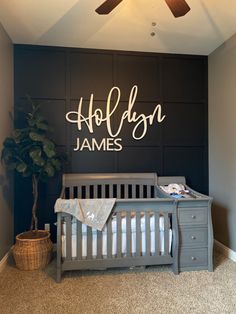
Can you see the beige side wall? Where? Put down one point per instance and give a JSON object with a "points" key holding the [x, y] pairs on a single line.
{"points": [[6, 104], [222, 141]]}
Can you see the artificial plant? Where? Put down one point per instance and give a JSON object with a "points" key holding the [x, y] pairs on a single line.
{"points": [[30, 152]]}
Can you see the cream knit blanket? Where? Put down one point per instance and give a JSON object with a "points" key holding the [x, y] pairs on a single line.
{"points": [[92, 212]]}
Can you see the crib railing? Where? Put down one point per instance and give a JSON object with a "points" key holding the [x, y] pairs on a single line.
{"points": [[127, 208]]}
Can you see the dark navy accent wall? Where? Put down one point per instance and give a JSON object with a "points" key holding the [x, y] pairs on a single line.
{"points": [[58, 77]]}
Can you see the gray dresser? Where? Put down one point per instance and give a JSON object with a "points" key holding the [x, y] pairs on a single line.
{"points": [[195, 228]]}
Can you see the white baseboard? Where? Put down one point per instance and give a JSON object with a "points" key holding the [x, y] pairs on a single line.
{"points": [[224, 250], [3, 261]]}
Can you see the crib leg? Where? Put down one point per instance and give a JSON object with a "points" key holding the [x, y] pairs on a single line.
{"points": [[175, 265], [175, 268], [59, 268], [58, 278]]}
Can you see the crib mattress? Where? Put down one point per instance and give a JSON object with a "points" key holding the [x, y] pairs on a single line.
{"points": [[114, 243]]}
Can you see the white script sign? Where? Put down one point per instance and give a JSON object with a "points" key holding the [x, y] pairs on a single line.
{"points": [[140, 122]]}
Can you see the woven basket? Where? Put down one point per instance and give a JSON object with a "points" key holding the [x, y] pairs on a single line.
{"points": [[32, 253]]}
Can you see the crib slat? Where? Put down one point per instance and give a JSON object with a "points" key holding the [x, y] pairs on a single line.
{"points": [[140, 191], [133, 191], [166, 234], [138, 234], [149, 191], [147, 232], [99, 244], [126, 191], [79, 191], [103, 191], [68, 237], [86, 191], [71, 191], [118, 190], [95, 191], [157, 233], [109, 239], [79, 240], [119, 238], [89, 243], [128, 234]]}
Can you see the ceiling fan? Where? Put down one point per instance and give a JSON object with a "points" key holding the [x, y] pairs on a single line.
{"points": [[177, 7]]}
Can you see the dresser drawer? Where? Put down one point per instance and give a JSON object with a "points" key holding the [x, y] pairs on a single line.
{"points": [[194, 237], [192, 216], [193, 257]]}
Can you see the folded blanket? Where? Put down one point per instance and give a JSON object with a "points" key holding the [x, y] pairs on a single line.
{"points": [[92, 212]]}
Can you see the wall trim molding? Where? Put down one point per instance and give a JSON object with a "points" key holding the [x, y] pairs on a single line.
{"points": [[4, 260], [224, 250]]}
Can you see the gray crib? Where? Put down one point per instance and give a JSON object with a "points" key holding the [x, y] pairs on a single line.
{"points": [[195, 227], [136, 197]]}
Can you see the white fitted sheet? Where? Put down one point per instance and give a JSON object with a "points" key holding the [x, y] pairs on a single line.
{"points": [[114, 243], [123, 225]]}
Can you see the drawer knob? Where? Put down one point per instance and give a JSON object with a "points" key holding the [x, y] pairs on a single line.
{"points": [[193, 237], [193, 258], [193, 217]]}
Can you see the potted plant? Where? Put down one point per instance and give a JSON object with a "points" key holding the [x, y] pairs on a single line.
{"points": [[31, 153]]}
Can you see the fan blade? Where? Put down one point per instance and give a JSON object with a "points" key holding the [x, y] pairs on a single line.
{"points": [[107, 6], [178, 7]]}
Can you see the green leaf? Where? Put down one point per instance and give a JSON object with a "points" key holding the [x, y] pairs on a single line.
{"points": [[49, 148], [39, 161], [21, 167], [36, 137], [31, 122], [17, 133], [49, 143], [48, 151], [9, 142], [56, 163], [6, 154], [35, 152], [49, 170], [42, 125]]}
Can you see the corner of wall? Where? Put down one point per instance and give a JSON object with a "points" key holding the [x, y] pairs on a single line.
{"points": [[6, 105]]}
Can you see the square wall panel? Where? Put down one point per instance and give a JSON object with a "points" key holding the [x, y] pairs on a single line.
{"points": [[90, 73], [139, 159], [189, 162], [54, 111], [185, 124], [97, 161], [184, 79], [140, 70], [40, 73]]}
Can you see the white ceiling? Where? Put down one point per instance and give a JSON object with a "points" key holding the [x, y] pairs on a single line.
{"points": [[74, 23]]}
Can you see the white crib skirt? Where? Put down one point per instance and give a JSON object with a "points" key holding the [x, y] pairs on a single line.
{"points": [[114, 243]]}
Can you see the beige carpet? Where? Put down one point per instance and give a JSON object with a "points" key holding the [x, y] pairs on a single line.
{"points": [[154, 290]]}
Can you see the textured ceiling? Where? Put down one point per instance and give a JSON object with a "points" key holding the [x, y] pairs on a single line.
{"points": [[74, 23]]}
